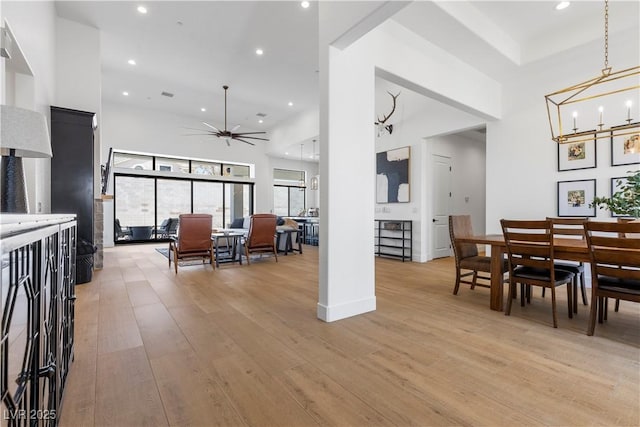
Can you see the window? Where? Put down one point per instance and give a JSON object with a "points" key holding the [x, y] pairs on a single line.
{"points": [[206, 168], [288, 201], [132, 161], [288, 194], [165, 164]]}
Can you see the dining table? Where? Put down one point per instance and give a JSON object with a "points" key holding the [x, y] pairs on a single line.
{"points": [[563, 249]]}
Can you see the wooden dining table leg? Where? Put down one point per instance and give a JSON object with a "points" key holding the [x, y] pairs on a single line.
{"points": [[497, 275]]}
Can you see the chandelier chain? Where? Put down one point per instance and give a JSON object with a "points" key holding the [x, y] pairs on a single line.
{"points": [[606, 34]]}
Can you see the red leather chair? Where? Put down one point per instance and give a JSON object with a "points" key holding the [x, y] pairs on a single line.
{"points": [[261, 237], [194, 239]]}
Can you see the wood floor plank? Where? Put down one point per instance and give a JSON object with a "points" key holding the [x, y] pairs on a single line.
{"points": [[177, 376], [242, 346], [127, 393]]}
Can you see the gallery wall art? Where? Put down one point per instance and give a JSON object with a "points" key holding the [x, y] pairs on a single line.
{"points": [[392, 176]]}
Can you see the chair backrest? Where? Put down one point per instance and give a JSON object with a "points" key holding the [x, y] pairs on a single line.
{"points": [[460, 226], [614, 249], [164, 224], [172, 226], [568, 228], [529, 244], [262, 230], [195, 232]]}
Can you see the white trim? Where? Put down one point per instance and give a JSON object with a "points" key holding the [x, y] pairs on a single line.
{"points": [[349, 309]]}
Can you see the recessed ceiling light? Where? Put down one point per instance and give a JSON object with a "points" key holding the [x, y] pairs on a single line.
{"points": [[142, 9], [203, 109], [286, 153], [259, 51], [563, 5], [131, 62], [260, 121], [290, 104], [125, 93], [304, 4]]}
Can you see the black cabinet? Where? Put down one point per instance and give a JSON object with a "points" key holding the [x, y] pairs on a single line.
{"points": [[72, 167]]}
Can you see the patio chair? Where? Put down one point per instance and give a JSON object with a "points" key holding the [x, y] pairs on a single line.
{"points": [[261, 236]]}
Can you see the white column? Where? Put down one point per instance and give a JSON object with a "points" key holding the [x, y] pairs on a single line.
{"points": [[347, 196]]}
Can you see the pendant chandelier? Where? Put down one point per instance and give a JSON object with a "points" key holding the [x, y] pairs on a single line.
{"points": [[314, 179], [603, 107], [301, 182]]}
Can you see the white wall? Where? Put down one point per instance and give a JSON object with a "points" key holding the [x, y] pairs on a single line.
{"points": [[33, 25], [468, 177], [521, 157], [79, 76]]}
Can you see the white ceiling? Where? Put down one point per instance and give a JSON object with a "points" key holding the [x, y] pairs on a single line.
{"points": [[192, 48]]}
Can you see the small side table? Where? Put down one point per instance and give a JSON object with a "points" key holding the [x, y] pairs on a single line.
{"points": [[288, 240], [226, 247]]}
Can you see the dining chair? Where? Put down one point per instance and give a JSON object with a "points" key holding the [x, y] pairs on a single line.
{"points": [[531, 262], [614, 248], [466, 254], [571, 228], [261, 236], [193, 240]]}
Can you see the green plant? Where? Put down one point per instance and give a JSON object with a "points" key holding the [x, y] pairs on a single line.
{"points": [[626, 200]]}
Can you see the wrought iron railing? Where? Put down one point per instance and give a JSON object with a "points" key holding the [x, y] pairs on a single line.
{"points": [[37, 299]]}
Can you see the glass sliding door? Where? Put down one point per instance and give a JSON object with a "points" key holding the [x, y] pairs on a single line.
{"points": [[296, 201], [237, 201], [135, 214], [174, 198], [207, 198], [288, 200]]}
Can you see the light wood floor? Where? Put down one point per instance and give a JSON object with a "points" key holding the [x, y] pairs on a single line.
{"points": [[241, 346]]}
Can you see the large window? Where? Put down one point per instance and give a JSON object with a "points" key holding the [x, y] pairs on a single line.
{"points": [[288, 201], [142, 203], [289, 192]]}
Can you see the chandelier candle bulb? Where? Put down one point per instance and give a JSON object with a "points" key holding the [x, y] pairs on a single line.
{"points": [[600, 110], [629, 111], [575, 121]]}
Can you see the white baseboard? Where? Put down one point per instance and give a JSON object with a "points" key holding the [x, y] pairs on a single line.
{"points": [[349, 309]]}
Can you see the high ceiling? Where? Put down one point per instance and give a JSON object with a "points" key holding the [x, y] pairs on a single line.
{"points": [[190, 49]]}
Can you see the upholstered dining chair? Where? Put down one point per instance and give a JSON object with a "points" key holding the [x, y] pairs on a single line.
{"points": [[261, 236], [531, 261], [615, 265], [466, 254], [193, 240]]}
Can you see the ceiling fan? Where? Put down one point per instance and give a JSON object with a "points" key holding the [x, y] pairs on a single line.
{"points": [[230, 134]]}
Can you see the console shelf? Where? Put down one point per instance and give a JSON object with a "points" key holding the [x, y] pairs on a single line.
{"points": [[393, 238]]}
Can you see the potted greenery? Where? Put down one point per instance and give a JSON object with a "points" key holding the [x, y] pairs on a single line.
{"points": [[626, 200]]}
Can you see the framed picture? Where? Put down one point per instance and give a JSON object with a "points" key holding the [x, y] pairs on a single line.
{"points": [[392, 176], [625, 149], [578, 155], [616, 185], [574, 197]]}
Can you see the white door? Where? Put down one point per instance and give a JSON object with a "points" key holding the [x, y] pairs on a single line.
{"points": [[441, 191]]}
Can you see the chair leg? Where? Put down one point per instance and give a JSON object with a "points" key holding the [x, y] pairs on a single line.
{"points": [[585, 301], [617, 305], [512, 286], [474, 280], [592, 315], [457, 286], [246, 253], [602, 308], [275, 252], [574, 284], [175, 260], [522, 294], [169, 255], [553, 307], [572, 288]]}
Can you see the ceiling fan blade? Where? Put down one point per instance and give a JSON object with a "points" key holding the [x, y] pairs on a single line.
{"points": [[251, 133], [235, 128], [246, 142], [236, 136], [228, 144], [211, 126]]}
